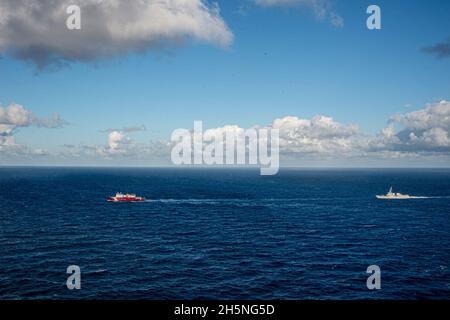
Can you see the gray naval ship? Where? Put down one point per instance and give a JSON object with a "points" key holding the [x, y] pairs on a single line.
{"points": [[395, 195]]}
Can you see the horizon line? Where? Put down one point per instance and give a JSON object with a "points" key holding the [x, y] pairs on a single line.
{"points": [[190, 167]]}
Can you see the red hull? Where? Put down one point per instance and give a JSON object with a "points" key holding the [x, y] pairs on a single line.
{"points": [[137, 199]]}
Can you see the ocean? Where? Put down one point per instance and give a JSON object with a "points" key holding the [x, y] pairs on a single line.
{"points": [[224, 233]]}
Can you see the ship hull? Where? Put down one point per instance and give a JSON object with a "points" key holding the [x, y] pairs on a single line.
{"points": [[112, 199], [394, 198]]}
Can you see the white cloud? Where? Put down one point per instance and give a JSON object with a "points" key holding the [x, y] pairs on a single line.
{"points": [[16, 116], [119, 148], [323, 9], [419, 132], [36, 30], [424, 130], [433, 115], [416, 137], [115, 140], [317, 135]]}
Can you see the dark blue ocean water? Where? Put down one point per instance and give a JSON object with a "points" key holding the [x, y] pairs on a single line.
{"points": [[223, 234]]}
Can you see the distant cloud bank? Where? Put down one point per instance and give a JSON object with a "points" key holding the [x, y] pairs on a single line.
{"points": [[421, 133], [425, 131]]}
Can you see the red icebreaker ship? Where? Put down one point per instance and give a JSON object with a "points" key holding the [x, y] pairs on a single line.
{"points": [[127, 197]]}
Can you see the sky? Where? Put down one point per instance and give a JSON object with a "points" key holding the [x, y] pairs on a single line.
{"points": [[114, 91]]}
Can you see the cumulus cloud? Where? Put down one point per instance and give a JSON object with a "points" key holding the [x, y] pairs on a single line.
{"points": [[323, 9], [115, 140], [36, 30], [15, 116], [418, 136], [424, 130], [440, 50], [119, 146], [317, 135], [419, 132]]}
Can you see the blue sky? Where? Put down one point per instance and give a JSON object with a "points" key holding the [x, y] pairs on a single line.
{"points": [[283, 61]]}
